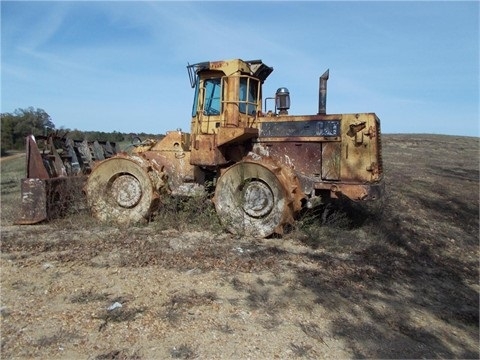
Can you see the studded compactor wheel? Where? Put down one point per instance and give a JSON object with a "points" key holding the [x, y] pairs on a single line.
{"points": [[250, 199], [123, 190]]}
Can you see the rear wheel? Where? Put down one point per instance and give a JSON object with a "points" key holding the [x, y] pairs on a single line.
{"points": [[250, 200], [120, 190]]}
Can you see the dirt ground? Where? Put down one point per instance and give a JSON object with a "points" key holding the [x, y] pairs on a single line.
{"points": [[396, 280], [11, 157]]}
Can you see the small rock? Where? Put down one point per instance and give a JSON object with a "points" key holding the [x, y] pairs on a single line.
{"points": [[114, 306], [194, 271]]}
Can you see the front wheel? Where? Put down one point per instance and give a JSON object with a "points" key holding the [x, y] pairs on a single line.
{"points": [[250, 200], [120, 190]]}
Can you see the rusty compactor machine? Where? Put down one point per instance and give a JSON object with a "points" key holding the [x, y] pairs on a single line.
{"points": [[261, 167]]}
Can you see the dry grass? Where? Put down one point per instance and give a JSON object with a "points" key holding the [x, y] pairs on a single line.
{"points": [[123, 354], [12, 172], [182, 352], [395, 280], [187, 214], [178, 304]]}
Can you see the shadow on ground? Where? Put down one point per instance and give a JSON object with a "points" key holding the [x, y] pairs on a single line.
{"points": [[419, 268]]}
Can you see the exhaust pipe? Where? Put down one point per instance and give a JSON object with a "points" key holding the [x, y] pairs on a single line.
{"points": [[322, 94]]}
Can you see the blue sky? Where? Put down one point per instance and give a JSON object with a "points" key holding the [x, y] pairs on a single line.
{"points": [[121, 66]]}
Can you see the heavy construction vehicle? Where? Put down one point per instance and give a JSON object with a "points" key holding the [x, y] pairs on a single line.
{"points": [[261, 167]]}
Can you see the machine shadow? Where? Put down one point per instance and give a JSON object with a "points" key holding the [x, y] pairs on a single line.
{"points": [[395, 293]]}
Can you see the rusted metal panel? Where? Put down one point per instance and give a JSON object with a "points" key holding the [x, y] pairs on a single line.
{"points": [[232, 88], [303, 157], [233, 135], [56, 162], [205, 153], [355, 192], [175, 164], [172, 141], [35, 166], [375, 135], [44, 199], [172, 156], [350, 155], [361, 159], [33, 206], [331, 158]]}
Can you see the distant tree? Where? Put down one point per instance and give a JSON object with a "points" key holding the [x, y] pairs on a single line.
{"points": [[76, 134], [15, 126], [117, 136], [7, 131], [22, 122], [33, 121]]}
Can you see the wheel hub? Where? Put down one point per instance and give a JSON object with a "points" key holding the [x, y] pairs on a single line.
{"points": [[258, 199], [126, 190]]}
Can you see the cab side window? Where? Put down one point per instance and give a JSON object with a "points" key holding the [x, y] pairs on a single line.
{"points": [[248, 95]]}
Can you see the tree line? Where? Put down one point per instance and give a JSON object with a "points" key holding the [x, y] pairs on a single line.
{"points": [[33, 121]]}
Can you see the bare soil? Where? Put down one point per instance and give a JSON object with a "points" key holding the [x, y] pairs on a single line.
{"points": [[399, 279], [11, 157]]}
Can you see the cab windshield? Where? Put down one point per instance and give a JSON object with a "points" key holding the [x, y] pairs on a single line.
{"points": [[211, 94], [212, 97]]}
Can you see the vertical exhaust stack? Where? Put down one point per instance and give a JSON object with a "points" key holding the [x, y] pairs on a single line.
{"points": [[322, 94]]}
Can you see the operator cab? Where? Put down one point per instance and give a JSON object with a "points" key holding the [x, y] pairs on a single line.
{"points": [[226, 107], [227, 94]]}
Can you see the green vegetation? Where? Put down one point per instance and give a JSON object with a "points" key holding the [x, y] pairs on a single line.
{"points": [[22, 122]]}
